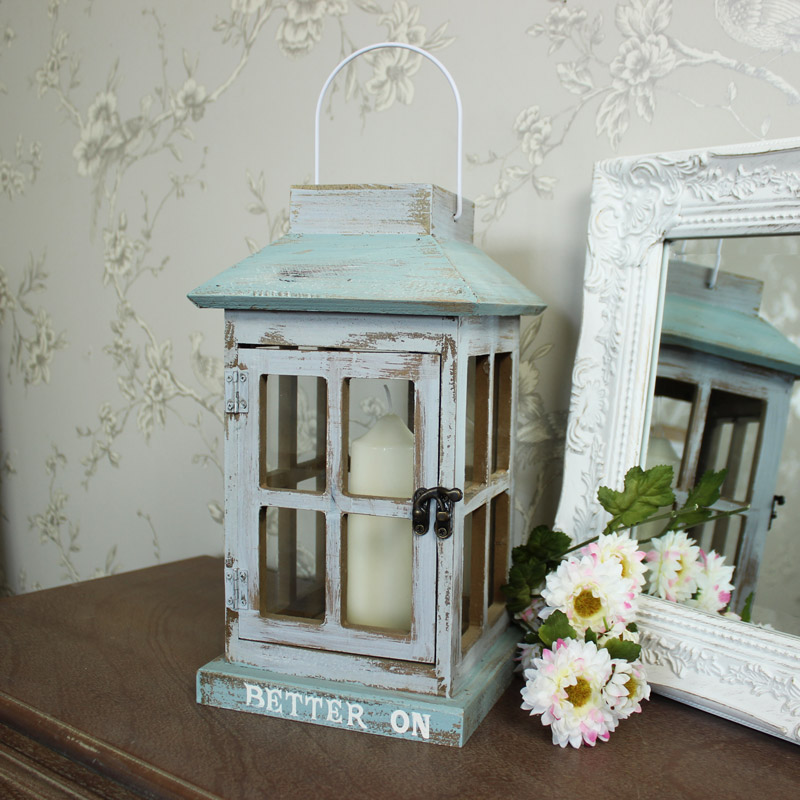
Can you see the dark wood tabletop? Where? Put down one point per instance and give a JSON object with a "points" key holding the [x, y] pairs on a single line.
{"points": [[97, 700]]}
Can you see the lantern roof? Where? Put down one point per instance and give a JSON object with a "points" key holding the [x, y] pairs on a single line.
{"points": [[372, 248], [724, 321]]}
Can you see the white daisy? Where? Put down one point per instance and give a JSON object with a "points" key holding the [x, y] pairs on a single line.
{"points": [[529, 618], [673, 566], [623, 549], [619, 631], [626, 689], [565, 686], [714, 585], [592, 594]]}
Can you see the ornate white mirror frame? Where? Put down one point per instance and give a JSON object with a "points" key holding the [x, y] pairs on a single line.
{"points": [[740, 671]]}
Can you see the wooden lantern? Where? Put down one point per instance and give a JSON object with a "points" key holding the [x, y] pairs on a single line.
{"points": [[371, 369], [721, 400]]}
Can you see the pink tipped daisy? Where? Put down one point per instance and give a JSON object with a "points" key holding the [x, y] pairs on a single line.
{"points": [[626, 689], [565, 686], [714, 585], [527, 653], [529, 618], [591, 593], [622, 548], [673, 566]]}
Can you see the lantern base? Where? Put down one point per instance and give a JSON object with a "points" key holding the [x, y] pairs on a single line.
{"points": [[404, 715]]}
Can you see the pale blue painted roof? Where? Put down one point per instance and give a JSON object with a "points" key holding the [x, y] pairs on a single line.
{"points": [[721, 331], [375, 273]]}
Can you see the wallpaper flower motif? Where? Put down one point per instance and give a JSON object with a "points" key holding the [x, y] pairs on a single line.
{"points": [[648, 54], [33, 340]]}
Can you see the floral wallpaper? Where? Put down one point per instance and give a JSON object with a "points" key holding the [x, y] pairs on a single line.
{"points": [[144, 147]]}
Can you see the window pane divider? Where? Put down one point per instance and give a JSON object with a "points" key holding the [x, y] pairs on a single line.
{"points": [[288, 498], [486, 493], [374, 506]]}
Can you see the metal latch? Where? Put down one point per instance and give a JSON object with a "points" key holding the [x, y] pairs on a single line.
{"points": [[420, 510], [236, 588], [236, 394]]}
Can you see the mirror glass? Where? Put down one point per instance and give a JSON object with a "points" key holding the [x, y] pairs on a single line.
{"points": [[727, 395]]}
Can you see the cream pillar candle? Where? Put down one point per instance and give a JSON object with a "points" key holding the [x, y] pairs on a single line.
{"points": [[379, 549]]}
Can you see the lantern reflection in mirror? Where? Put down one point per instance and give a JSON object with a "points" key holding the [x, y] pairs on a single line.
{"points": [[721, 401]]}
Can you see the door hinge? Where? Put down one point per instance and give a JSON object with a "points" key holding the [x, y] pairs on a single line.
{"points": [[236, 588], [236, 394]]}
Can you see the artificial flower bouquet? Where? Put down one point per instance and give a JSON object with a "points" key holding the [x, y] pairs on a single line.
{"points": [[577, 603]]}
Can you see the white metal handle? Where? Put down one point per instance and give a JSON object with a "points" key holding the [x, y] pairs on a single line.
{"points": [[444, 71]]}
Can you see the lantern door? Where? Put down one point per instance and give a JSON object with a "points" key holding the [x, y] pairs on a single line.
{"points": [[330, 453]]}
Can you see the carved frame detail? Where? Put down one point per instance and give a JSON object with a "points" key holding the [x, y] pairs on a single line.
{"points": [[723, 666]]}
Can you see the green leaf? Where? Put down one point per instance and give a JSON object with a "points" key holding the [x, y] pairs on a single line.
{"points": [[523, 580], [521, 555], [530, 564], [747, 611], [632, 627], [590, 636], [555, 627], [645, 492], [545, 544], [619, 648], [706, 491]]}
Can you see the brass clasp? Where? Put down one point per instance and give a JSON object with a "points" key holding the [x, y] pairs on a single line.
{"points": [[420, 513]]}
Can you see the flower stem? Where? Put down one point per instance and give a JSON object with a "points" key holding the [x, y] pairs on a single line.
{"points": [[670, 515]]}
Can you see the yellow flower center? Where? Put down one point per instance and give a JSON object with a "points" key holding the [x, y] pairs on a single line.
{"points": [[630, 686], [684, 564], [580, 693], [586, 604]]}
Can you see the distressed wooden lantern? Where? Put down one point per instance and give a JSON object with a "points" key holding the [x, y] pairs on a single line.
{"points": [[371, 360], [722, 394]]}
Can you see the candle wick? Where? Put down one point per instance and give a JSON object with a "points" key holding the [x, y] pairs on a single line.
{"points": [[388, 398]]}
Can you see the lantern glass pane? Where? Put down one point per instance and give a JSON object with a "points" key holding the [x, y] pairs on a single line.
{"points": [[473, 582], [294, 414], [501, 417], [477, 431], [669, 427], [497, 568], [379, 433], [379, 572], [292, 563], [730, 441]]}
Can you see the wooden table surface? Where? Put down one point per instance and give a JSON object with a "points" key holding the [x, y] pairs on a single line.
{"points": [[97, 700]]}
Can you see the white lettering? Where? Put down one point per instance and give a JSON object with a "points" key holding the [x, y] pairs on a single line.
{"points": [[254, 693], [316, 702], [295, 696], [422, 723], [402, 725], [274, 700], [354, 712], [334, 714]]}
